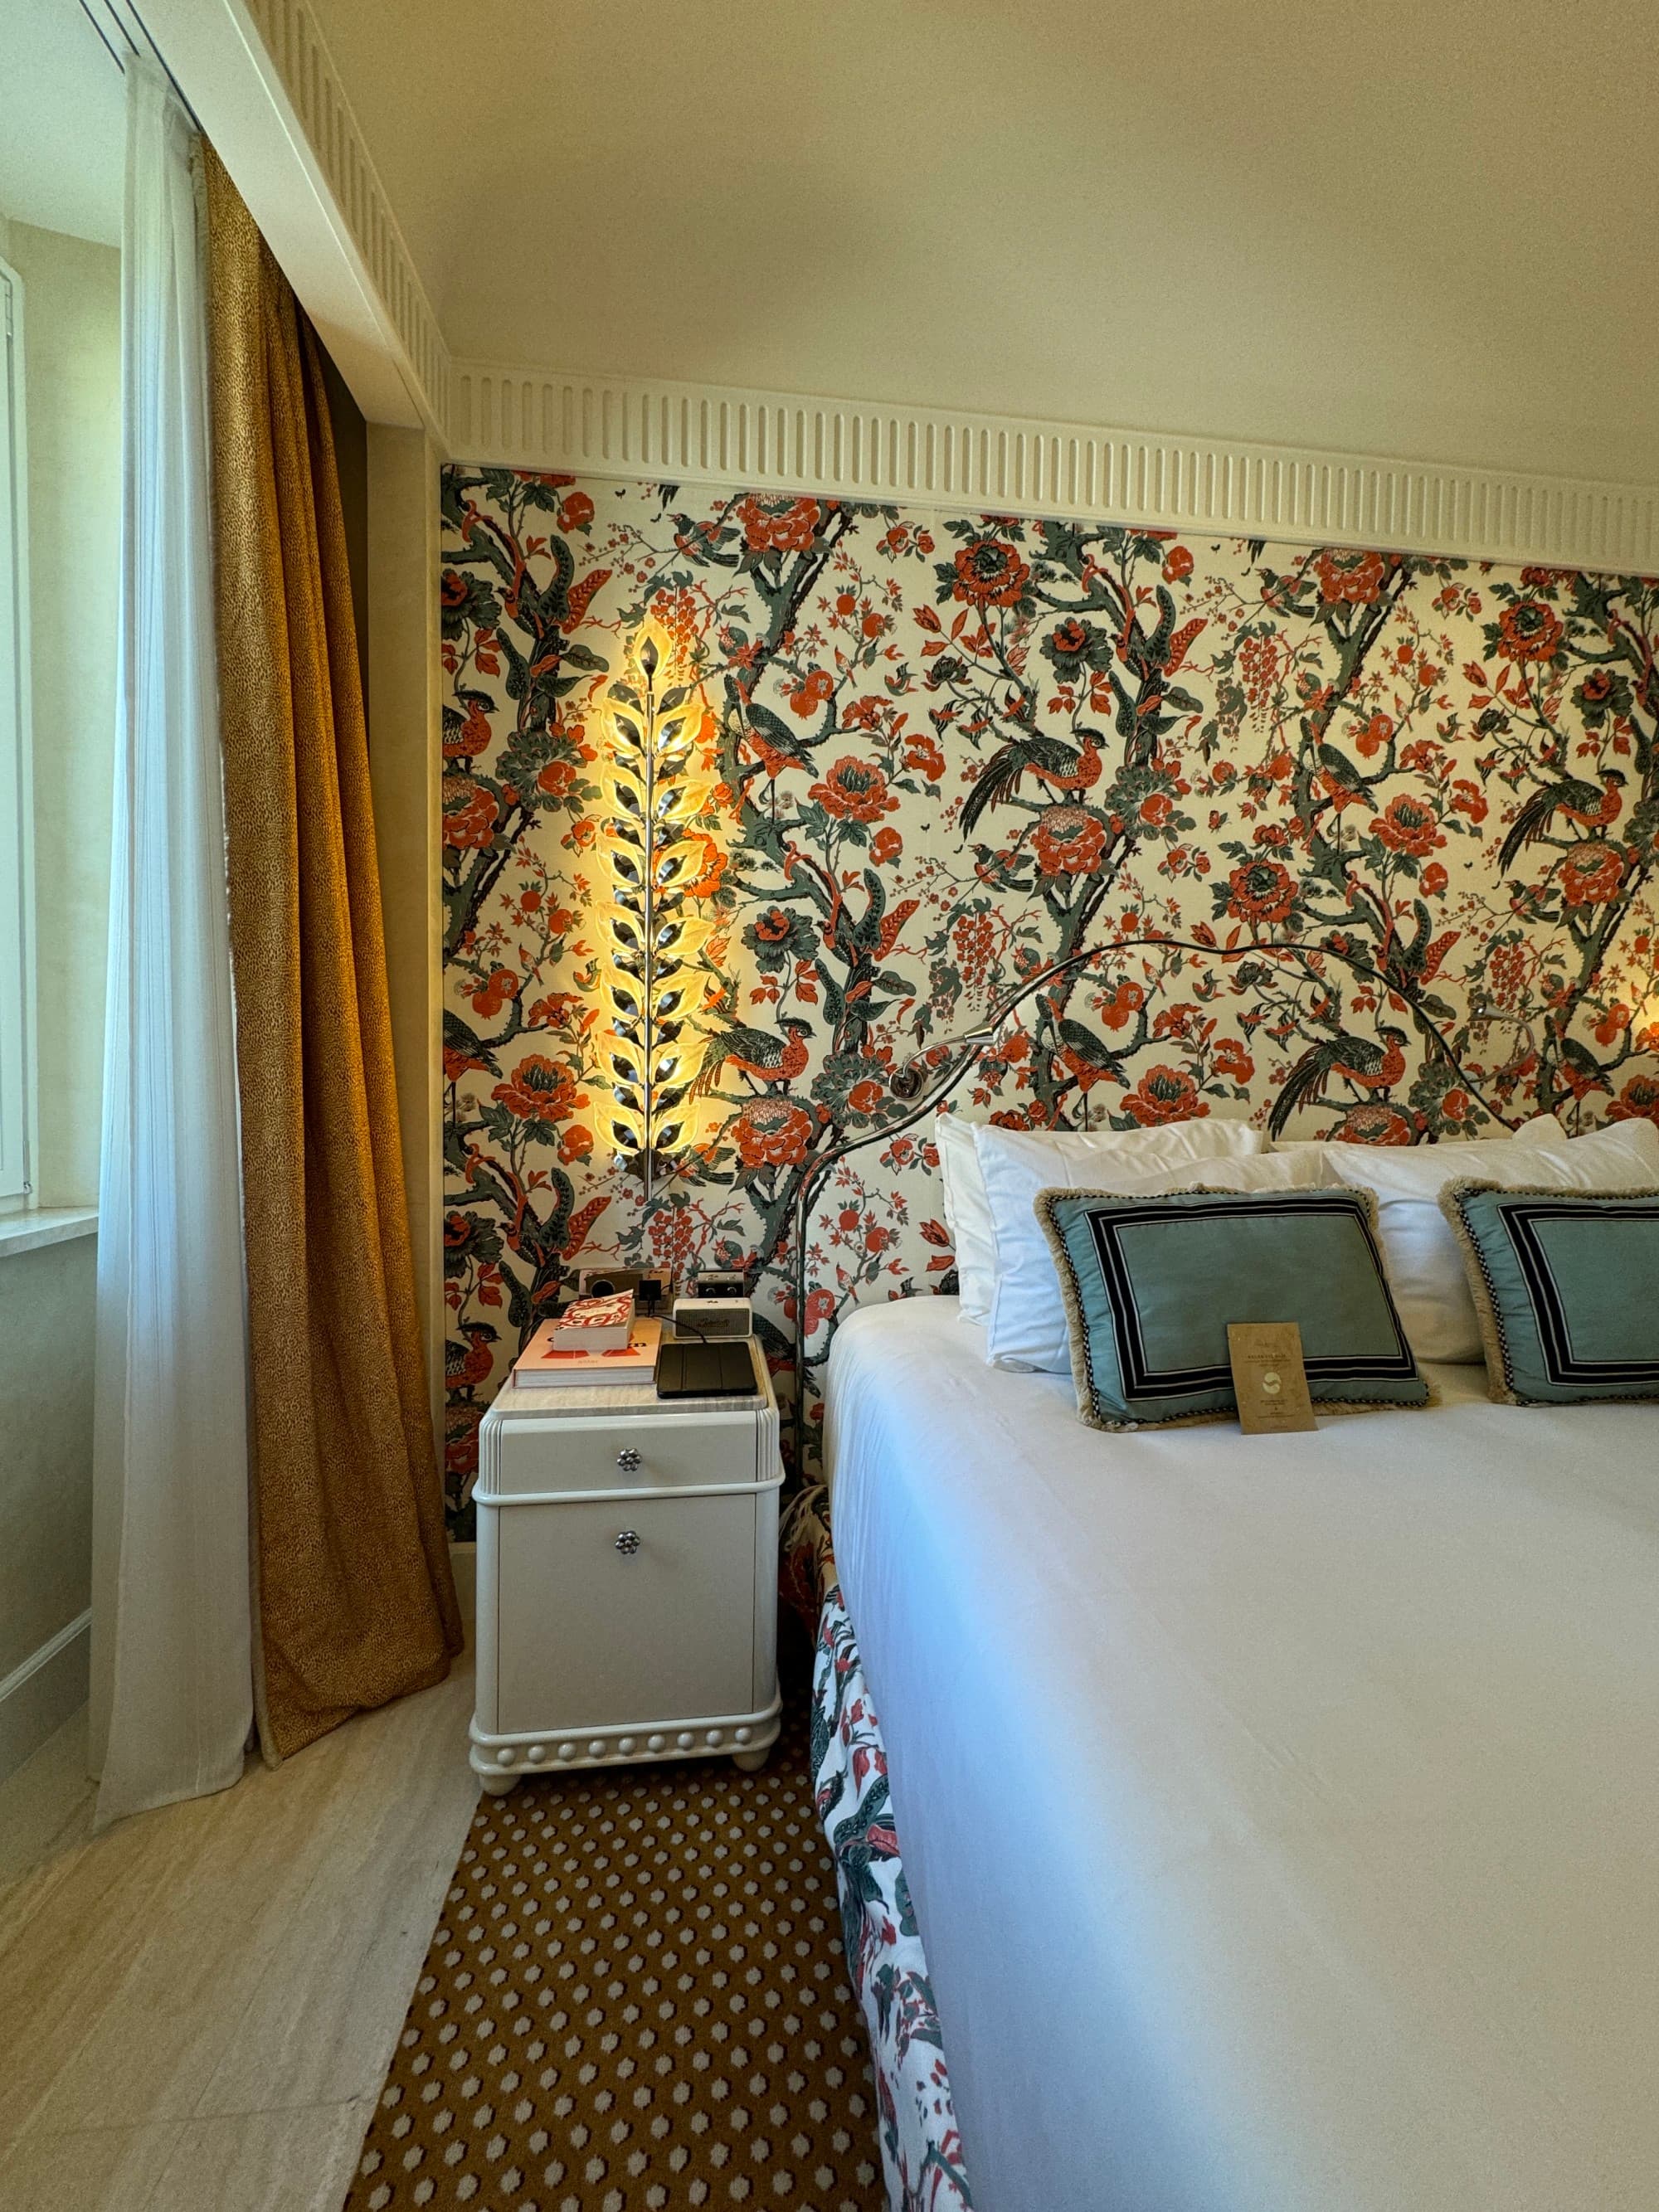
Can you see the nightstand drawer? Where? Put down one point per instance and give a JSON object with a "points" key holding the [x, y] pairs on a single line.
{"points": [[590, 1633], [655, 1451]]}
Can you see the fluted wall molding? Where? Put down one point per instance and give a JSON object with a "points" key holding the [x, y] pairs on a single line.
{"points": [[926, 457], [292, 41], [1012, 465]]}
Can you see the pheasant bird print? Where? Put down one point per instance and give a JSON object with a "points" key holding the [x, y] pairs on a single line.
{"points": [[1351, 843]]}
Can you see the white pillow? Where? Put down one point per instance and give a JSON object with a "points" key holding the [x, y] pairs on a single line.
{"points": [[1027, 1324], [967, 1215], [1426, 1267]]}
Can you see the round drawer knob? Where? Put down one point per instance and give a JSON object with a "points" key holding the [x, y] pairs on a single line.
{"points": [[503, 1759], [537, 1753], [567, 1751], [685, 1739], [714, 1735], [625, 1745], [628, 1543], [654, 1742], [740, 1735], [596, 1749], [629, 1459]]}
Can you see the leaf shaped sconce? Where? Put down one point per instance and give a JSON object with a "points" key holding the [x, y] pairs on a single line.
{"points": [[653, 933]]}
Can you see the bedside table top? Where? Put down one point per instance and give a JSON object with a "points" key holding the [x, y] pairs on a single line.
{"points": [[638, 1400]]}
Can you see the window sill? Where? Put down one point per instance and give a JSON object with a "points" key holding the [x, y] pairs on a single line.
{"points": [[45, 1224]]}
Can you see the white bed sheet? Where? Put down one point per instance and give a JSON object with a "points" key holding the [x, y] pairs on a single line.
{"points": [[1281, 1815]]}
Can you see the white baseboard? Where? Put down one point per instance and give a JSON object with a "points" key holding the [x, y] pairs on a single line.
{"points": [[37, 1697]]}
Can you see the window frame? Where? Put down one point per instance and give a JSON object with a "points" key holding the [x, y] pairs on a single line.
{"points": [[17, 1039]]}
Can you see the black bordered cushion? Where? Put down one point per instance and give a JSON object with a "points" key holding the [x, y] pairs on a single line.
{"points": [[1567, 1286], [1150, 1285]]}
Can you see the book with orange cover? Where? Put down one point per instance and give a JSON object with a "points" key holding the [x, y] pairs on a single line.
{"points": [[545, 1362]]}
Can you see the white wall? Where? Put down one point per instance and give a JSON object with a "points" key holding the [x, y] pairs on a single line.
{"points": [[72, 369], [71, 310]]}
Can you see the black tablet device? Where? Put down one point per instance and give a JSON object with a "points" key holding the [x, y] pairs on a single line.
{"points": [[688, 1369]]}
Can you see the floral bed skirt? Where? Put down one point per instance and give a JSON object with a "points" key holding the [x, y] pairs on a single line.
{"points": [[920, 2148]]}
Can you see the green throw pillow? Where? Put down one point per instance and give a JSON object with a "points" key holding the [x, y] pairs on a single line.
{"points": [[1152, 1284], [1566, 1284]]}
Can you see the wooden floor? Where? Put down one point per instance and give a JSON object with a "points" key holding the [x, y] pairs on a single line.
{"points": [[198, 2009]]}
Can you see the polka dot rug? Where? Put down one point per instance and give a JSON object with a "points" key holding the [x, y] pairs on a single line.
{"points": [[635, 1998]]}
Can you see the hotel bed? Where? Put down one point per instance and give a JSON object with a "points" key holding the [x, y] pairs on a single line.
{"points": [[1281, 1815]]}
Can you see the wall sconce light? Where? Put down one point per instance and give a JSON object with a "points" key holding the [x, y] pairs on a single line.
{"points": [[653, 936]]}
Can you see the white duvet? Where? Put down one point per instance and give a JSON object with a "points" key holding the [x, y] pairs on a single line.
{"points": [[1282, 1814]]}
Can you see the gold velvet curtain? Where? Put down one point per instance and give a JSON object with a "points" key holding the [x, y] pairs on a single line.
{"points": [[354, 1598]]}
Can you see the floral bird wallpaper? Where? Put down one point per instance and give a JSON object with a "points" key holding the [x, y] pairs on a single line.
{"points": [[1352, 843]]}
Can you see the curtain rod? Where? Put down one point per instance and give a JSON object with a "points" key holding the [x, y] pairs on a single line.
{"points": [[116, 13]]}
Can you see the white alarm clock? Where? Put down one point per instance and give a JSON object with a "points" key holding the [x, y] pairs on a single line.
{"points": [[713, 1320]]}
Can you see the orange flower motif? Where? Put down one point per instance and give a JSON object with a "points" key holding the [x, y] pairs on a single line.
{"points": [[576, 512], [1530, 631], [1261, 891], [490, 996], [1376, 734], [772, 1133], [1177, 565], [854, 790], [924, 756], [1434, 879], [575, 1144], [1468, 799], [1637, 1101], [768, 527], [811, 692], [470, 814], [1231, 1059], [886, 845], [990, 573], [1349, 579], [1165, 1094], [1068, 840], [1592, 873], [1456, 1104], [538, 1090], [1118, 1007], [864, 1097], [1373, 1125], [556, 779], [1156, 809], [1408, 826]]}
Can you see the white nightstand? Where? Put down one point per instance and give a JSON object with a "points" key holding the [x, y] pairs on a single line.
{"points": [[628, 1576]]}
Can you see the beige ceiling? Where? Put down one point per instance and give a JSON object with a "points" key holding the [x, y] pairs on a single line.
{"points": [[1428, 229]]}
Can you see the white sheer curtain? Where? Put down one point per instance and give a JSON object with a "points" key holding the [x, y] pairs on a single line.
{"points": [[172, 1672]]}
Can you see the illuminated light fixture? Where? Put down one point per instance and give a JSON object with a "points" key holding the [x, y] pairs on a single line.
{"points": [[649, 1057]]}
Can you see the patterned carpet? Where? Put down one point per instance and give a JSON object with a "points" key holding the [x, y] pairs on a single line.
{"points": [[636, 2000]]}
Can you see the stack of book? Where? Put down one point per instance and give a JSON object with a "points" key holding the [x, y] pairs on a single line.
{"points": [[594, 1340]]}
